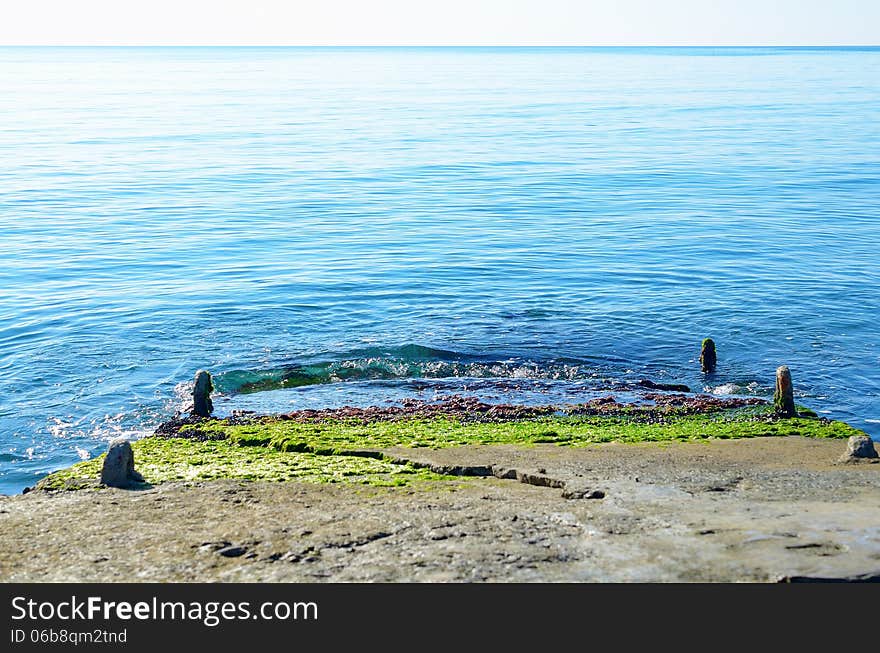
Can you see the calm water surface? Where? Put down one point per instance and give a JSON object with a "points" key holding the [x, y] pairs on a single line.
{"points": [[336, 226]]}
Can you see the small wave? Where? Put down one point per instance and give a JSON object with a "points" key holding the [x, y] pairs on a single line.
{"points": [[409, 352], [10, 457], [386, 364]]}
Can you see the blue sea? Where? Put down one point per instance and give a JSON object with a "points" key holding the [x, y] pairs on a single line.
{"points": [[331, 226]]}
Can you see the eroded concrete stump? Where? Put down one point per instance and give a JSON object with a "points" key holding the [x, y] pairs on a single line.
{"points": [[859, 447], [118, 469], [783, 397], [202, 405], [708, 358]]}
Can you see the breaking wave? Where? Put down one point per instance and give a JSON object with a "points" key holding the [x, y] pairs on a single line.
{"points": [[405, 362]]}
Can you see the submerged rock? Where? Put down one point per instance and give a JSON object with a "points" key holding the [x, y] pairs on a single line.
{"points": [[202, 405], [859, 447], [668, 387], [118, 469], [783, 396]]}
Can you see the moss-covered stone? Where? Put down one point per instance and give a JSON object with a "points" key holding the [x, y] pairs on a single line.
{"points": [[783, 395], [708, 356]]}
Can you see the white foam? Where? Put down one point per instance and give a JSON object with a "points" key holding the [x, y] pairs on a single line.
{"points": [[725, 389], [59, 428], [751, 389]]}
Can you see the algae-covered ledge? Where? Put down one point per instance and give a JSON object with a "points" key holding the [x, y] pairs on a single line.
{"points": [[161, 460], [350, 445]]}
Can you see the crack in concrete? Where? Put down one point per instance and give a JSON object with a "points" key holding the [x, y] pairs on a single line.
{"points": [[311, 553], [361, 541], [481, 471], [537, 479]]}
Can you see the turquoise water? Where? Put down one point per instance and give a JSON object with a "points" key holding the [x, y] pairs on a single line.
{"points": [[333, 226]]}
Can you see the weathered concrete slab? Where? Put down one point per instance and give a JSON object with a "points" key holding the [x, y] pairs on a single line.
{"points": [[745, 510]]}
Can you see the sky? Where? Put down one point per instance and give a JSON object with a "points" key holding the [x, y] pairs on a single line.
{"points": [[440, 22]]}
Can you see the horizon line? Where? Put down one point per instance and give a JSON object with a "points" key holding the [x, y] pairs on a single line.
{"points": [[437, 45]]}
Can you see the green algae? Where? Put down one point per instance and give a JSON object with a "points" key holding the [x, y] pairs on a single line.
{"points": [[161, 460], [341, 436], [340, 450]]}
